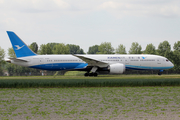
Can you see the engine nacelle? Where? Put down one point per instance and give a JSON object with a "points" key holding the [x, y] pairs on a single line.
{"points": [[117, 68]]}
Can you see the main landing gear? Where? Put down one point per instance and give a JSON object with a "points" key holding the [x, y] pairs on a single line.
{"points": [[91, 74]]}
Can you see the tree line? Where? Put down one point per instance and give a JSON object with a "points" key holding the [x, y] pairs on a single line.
{"points": [[164, 49]]}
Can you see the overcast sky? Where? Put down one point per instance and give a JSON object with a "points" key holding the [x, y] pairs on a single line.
{"points": [[90, 22]]}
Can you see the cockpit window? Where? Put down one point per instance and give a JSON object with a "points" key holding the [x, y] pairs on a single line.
{"points": [[167, 60]]}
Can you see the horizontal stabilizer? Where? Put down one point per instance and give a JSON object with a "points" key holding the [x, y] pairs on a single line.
{"points": [[18, 60]]}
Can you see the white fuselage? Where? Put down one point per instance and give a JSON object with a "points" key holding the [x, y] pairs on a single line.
{"points": [[70, 62]]}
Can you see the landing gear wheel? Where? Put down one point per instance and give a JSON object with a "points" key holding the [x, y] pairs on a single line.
{"points": [[86, 74], [91, 74], [95, 74]]}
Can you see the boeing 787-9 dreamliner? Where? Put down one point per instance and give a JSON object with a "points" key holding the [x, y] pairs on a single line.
{"points": [[92, 64]]}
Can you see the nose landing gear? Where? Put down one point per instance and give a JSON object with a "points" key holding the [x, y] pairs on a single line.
{"points": [[160, 72]]}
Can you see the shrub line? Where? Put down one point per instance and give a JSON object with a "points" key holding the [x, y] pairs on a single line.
{"points": [[51, 83]]}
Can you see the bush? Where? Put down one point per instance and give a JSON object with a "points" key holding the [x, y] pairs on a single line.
{"points": [[43, 83]]}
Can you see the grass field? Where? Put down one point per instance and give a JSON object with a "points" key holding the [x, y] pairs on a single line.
{"points": [[22, 98], [90, 103], [79, 81], [99, 77]]}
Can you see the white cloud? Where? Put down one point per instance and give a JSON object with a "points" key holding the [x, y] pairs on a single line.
{"points": [[49, 4], [62, 4], [89, 22], [33, 5], [1, 1], [169, 10], [118, 8], [140, 8], [110, 4]]}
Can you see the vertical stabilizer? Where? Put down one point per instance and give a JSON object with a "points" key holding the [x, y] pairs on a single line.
{"points": [[20, 48]]}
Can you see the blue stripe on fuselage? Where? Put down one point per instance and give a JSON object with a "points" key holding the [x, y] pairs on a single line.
{"points": [[60, 66], [71, 66], [145, 67]]}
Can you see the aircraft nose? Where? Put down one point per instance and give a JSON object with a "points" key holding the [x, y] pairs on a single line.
{"points": [[171, 64]]}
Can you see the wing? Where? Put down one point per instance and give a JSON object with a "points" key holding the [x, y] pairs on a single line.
{"points": [[92, 61]]}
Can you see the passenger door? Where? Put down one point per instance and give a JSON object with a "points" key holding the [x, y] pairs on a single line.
{"points": [[41, 61], [127, 62]]}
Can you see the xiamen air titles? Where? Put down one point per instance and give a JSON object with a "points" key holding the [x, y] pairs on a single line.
{"points": [[92, 64]]}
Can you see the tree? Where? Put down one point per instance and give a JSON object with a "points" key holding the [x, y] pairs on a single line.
{"points": [[93, 49], [2, 55], [45, 49], [11, 52], [121, 49], [106, 48], [52, 45], [19, 70], [135, 48], [34, 47], [10, 68], [177, 46], [163, 48], [80, 51], [61, 49], [75, 49], [150, 49], [176, 57]]}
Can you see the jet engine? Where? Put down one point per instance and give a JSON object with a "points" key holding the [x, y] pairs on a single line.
{"points": [[116, 68]]}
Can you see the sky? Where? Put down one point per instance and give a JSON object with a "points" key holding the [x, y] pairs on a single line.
{"points": [[90, 22]]}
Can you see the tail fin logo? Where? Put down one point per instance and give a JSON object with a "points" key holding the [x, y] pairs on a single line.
{"points": [[18, 47]]}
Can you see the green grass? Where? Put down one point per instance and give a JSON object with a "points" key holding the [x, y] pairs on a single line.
{"points": [[71, 76], [90, 103], [74, 73], [76, 81]]}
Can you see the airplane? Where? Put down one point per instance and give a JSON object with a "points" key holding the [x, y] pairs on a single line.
{"points": [[92, 64]]}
